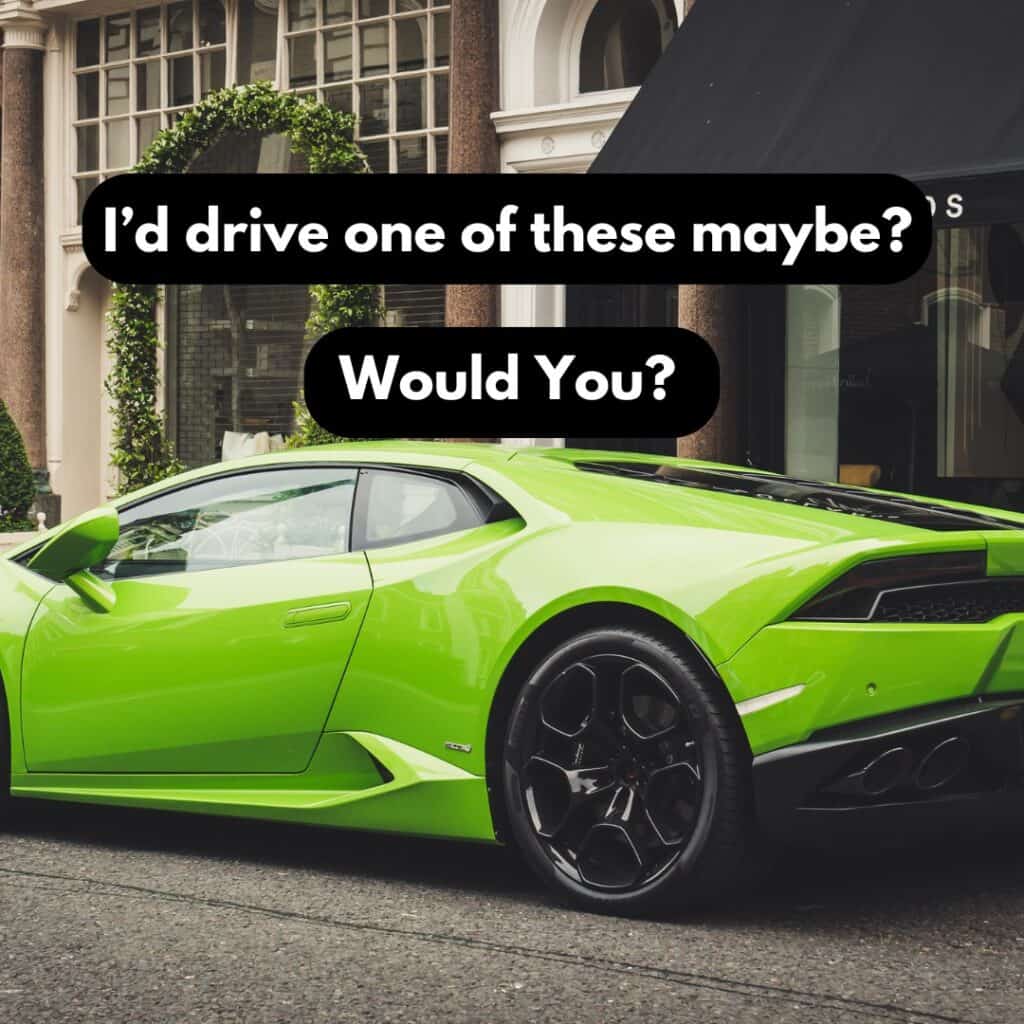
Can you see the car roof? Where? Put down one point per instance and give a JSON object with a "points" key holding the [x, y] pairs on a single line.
{"points": [[414, 454], [448, 451]]}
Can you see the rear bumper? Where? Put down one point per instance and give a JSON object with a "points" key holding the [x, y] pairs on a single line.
{"points": [[899, 768], [842, 672]]}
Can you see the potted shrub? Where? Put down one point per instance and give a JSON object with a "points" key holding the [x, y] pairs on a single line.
{"points": [[17, 485]]}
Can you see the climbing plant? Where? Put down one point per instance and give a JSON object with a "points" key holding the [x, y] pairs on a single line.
{"points": [[142, 453]]}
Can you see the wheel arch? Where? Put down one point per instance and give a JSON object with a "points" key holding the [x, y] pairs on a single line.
{"points": [[557, 629]]}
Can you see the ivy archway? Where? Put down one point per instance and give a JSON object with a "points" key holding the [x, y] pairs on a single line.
{"points": [[142, 452]]}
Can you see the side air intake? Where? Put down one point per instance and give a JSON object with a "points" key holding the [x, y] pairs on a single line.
{"points": [[944, 588]]}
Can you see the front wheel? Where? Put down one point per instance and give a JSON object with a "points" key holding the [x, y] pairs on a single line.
{"points": [[626, 776]]}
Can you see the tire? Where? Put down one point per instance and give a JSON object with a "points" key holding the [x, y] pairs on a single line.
{"points": [[627, 776]]}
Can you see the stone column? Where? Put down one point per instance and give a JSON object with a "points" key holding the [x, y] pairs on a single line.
{"points": [[473, 142], [715, 313], [1, 108], [22, 256]]}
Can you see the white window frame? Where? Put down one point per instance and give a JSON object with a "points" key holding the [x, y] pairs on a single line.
{"points": [[164, 110], [572, 46], [430, 73], [433, 74]]}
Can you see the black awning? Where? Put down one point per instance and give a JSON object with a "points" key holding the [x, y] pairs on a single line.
{"points": [[924, 88]]}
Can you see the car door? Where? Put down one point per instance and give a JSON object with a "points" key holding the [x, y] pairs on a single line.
{"points": [[238, 601], [443, 609]]}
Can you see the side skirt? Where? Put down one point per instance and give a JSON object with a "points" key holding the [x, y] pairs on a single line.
{"points": [[354, 780]]}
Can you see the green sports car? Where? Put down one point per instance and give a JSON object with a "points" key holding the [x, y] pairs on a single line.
{"points": [[630, 667]]}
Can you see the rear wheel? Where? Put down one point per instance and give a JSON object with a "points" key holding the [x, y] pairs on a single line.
{"points": [[626, 777]]}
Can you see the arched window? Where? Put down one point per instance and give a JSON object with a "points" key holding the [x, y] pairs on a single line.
{"points": [[622, 42]]}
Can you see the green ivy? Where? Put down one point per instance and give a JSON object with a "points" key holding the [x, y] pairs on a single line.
{"points": [[142, 453], [332, 306], [341, 305], [307, 431], [323, 136], [17, 485]]}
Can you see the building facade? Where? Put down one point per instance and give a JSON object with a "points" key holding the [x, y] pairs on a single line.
{"points": [[520, 86], [915, 386]]}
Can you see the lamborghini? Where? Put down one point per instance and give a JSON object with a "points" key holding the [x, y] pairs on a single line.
{"points": [[631, 668]]}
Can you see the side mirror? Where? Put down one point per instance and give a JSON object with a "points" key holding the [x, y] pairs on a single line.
{"points": [[70, 553]]}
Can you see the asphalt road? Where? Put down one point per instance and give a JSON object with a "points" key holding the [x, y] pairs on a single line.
{"points": [[110, 915]]}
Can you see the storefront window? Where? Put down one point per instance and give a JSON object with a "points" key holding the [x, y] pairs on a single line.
{"points": [[621, 305], [917, 386], [235, 352], [238, 353], [812, 380], [977, 315]]}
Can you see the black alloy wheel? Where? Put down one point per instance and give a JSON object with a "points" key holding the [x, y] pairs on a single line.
{"points": [[626, 780]]}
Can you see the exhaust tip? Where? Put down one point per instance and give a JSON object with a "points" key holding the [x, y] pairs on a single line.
{"points": [[886, 771], [943, 763]]}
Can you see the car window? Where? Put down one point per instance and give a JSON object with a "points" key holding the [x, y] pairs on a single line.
{"points": [[401, 507], [234, 520]]}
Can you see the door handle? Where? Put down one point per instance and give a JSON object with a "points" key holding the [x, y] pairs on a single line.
{"points": [[318, 613]]}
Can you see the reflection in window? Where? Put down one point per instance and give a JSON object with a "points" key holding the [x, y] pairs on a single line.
{"points": [[237, 350], [977, 317], [237, 520], [257, 41], [625, 305], [411, 95], [918, 386], [118, 33], [403, 507], [117, 91], [211, 72], [302, 61], [411, 40], [338, 55], [623, 41], [812, 383], [412, 155], [386, 61], [179, 26]]}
